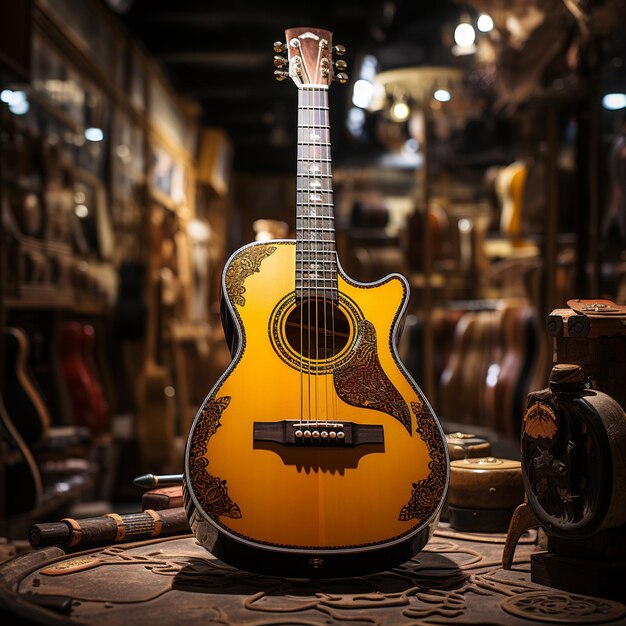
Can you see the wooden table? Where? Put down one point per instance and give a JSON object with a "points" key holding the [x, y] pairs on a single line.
{"points": [[457, 579]]}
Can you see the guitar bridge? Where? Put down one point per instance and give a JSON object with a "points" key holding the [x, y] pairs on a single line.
{"points": [[318, 433]]}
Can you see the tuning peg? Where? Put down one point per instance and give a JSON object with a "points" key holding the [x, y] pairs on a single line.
{"points": [[339, 50], [279, 61], [279, 46], [341, 78], [280, 74], [341, 65]]}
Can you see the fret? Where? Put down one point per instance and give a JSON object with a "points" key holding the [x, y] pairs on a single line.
{"points": [[331, 262], [320, 240], [317, 228], [317, 204], [312, 108], [316, 126], [329, 252]]}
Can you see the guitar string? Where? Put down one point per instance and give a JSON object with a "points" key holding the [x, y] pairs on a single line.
{"points": [[328, 295], [324, 153], [333, 274], [319, 234], [299, 274], [324, 185], [306, 244], [319, 239]]}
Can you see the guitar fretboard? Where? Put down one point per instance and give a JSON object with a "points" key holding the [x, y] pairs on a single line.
{"points": [[316, 257]]}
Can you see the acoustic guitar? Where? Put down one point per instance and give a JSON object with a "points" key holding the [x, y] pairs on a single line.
{"points": [[89, 406], [22, 398], [315, 453], [20, 481]]}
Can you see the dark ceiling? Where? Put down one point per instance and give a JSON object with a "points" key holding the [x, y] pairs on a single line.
{"points": [[220, 54]]}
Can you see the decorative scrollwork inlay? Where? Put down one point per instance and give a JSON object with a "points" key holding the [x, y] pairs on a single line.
{"points": [[362, 381], [429, 492], [246, 263], [210, 491]]}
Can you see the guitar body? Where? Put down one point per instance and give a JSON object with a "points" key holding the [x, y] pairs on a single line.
{"points": [[268, 500]]}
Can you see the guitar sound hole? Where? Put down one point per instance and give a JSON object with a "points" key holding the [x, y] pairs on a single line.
{"points": [[317, 329]]}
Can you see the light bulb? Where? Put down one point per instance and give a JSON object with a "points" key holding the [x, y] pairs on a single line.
{"points": [[484, 23], [464, 35], [400, 111], [614, 101], [362, 93]]}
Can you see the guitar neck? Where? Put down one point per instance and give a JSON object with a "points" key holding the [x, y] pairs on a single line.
{"points": [[316, 257]]}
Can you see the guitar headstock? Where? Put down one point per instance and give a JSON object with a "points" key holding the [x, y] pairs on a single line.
{"points": [[309, 59]]}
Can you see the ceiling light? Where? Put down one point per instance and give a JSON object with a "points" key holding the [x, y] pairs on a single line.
{"points": [[12, 98], [368, 68], [81, 211], [20, 108], [484, 23], [614, 101], [464, 35], [362, 93], [355, 122], [443, 95], [400, 111], [94, 134]]}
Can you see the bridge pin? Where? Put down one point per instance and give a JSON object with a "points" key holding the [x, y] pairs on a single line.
{"points": [[324, 434], [298, 434], [307, 434], [332, 434], [316, 434], [341, 435]]}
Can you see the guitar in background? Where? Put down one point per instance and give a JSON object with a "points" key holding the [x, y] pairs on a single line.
{"points": [[315, 453], [22, 480], [88, 404], [155, 403], [23, 400]]}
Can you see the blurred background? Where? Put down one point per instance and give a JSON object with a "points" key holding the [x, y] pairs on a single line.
{"points": [[479, 148]]}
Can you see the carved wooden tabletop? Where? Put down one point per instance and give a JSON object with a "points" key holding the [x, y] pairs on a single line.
{"points": [[174, 581]]}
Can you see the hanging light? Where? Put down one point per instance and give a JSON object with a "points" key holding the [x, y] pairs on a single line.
{"points": [[464, 35], [400, 110], [94, 134], [442, 95], [356, 121], [614, 101], [362, 93], [484, 23]]}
